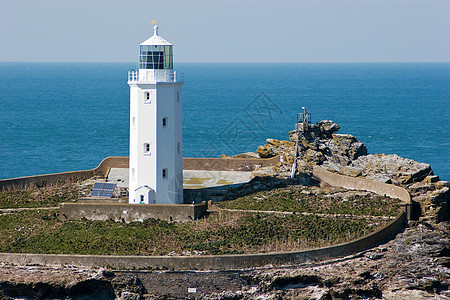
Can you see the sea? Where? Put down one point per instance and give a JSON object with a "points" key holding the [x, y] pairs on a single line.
{"points": [[57, 117]]}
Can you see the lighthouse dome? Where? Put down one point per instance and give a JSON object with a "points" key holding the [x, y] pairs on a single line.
{"points": [[156, 40]]}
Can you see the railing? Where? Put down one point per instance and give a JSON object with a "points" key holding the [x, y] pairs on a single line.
{"points": [[133, 75], [155, 76]]}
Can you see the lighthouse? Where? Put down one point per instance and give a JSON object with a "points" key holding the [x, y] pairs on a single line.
{"points": [[156, 149]]}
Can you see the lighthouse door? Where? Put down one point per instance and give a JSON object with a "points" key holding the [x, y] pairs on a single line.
{"points": [[145, 195]]}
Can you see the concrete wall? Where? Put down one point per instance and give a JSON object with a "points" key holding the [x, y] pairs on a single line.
{"points": [[209, 262], [111, 162], [124, 212], [31, 181], [355, 183], [218, 164]]}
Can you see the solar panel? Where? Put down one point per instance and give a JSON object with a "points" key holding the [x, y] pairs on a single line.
{"points": [[103, 189]]}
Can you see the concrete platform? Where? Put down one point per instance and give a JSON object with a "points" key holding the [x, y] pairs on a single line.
{"points": [[120, 176], [196, 179], [192, 179]]}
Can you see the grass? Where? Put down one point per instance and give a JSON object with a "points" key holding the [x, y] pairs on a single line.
{"points": [[225, 233], [301, 199], [47, 196]]}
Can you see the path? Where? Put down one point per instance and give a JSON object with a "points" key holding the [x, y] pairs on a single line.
{"points": [[337, 216], [19, 209]]}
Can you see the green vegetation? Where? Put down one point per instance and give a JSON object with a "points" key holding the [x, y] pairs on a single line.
{"points": [[297, 199], [46, 196], [224, 233]]}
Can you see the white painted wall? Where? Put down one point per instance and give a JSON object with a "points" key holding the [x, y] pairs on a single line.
{"points": [[146, 126]]}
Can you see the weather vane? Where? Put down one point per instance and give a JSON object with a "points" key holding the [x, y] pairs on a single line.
{"points": [[155, 27]]}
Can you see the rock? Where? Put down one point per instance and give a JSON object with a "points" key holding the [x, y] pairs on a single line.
{"points": [[264, 171], [380, 167], [245, 155], [410, 295], [275, 147], [129, 296], [341, 150], [317, 145], [431, 179], [327, 127], [273, 142], [350, 171], [419, 188], [440, 196], [264, 152], [439, 204], [312, 157], [130, 284], [310, 139]]}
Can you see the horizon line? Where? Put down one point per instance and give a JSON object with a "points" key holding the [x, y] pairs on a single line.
{"points": [[231, 62]]}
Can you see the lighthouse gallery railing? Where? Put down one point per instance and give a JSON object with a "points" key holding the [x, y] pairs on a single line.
{"points": [[155, 76]]}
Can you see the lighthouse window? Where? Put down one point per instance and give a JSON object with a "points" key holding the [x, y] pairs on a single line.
{"points": [[147, 97], [156, 57], [178, 147], [147, 149], [152, 59], [165, 173], [165, 122]]}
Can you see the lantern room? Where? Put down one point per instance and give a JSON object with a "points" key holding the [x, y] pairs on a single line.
{"points": [[156, 53]]}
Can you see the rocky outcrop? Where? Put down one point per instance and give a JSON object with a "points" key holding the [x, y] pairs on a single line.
{"points": [[430, 195], [320, 144], [274, 147], [38, 282], [433, 199], [388, 168]]}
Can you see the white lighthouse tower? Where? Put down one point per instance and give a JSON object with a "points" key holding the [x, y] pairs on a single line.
{"points": [[156, 152]]}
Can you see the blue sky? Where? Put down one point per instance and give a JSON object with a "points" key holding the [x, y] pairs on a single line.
{"points": [[227, 31]]}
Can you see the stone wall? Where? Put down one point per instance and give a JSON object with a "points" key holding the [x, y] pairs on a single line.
{"points": [[376, 187], [209, 262], [124, 212]]}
